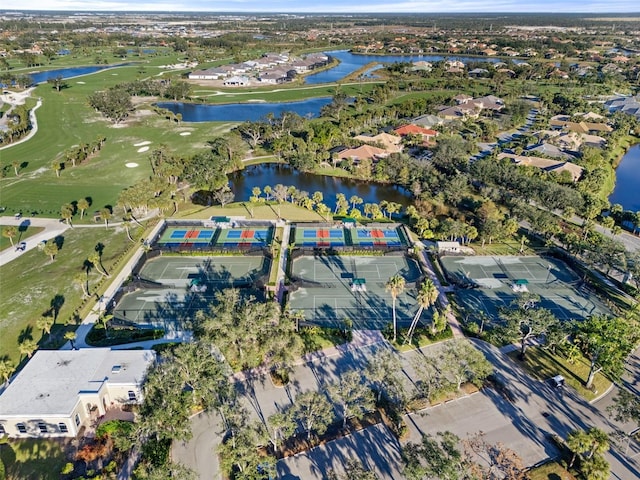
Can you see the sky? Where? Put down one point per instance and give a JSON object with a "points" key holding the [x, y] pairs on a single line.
{"points": [[341, 6]]}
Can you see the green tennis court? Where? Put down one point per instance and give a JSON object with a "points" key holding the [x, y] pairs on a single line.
{"points": [[179, 272], [328, 289], [176, 287], [492, 271], [490, 283]]}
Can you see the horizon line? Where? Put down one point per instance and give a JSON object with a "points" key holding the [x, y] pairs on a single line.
{"points": [[320, 12]]}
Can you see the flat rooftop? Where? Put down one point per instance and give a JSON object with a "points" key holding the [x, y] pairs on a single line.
{"points": [[52, 380]]}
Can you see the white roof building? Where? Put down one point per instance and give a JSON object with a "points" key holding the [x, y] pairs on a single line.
{"points": [[60, 391]]}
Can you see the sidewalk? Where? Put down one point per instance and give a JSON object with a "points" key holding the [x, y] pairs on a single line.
{"points": [[456, 329], [110, 292]]}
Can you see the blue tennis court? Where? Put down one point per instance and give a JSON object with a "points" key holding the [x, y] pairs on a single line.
{"points": [[234, 234], [391, 234], [178, 233], [206, 234], [309, 234], [335, 234]]}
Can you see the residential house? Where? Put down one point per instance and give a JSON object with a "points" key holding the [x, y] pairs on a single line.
{"points": [[390, 143], [428, 135], [422, 65], [546, 164], [237, 81], [628, 105], [60, 391], [478, 72], [361, 153], [549, 150], [275, 75], [427, 121]]}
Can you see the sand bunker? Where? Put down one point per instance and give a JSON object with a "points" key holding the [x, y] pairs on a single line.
{"points": [[142, 144], [185, 134], [80, 83], [143, 149], [131, 165]]}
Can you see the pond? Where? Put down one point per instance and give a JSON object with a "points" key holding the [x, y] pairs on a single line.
{"points": [[41, 77], [628, 181], [242, 181], [350, 62], [243, 112]]}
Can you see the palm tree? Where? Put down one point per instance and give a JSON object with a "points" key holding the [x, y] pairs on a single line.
{"points": [[27, 347], [71, 336], [96, 261], [105, 214], [45, 323], [51, 249], [395, 286], [82, 279], [83, 205], [66, 212], [56, 165], [126, 223], [427, 296], [355, 200], [6, 369], [16, 166], [10, 232]]}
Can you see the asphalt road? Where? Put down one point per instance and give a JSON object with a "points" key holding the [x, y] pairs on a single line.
{"points": [[522, 423], [52, 228]]}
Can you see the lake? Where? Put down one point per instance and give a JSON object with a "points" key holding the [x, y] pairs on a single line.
{"points": [[242, 181], [350, 62], [243, 112], [41, 77], [254, 111], [627, 191]]}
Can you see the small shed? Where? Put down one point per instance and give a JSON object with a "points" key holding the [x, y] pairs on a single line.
{"points": [[448, 247], [349, 222]]}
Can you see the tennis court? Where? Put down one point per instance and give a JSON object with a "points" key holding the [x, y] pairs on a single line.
{"points": [[179, 286], [377, 237], [320, 237], [330, 288], [244, 237], [490, 283], [186, 237]]}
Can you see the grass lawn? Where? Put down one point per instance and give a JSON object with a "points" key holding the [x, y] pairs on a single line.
{"points": [[266, 212], [509, 247], [550, 471], [31, 284], [23, 234], [33, 459], [316, 338], [64, 120], [543, 365], [420, 339]]}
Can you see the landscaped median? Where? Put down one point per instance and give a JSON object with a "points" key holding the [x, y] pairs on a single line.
{"points": [[543, 365]]}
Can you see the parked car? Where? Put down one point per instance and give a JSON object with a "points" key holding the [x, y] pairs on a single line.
{"points": [[557, 381], [18, 216], [21, 247]]}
